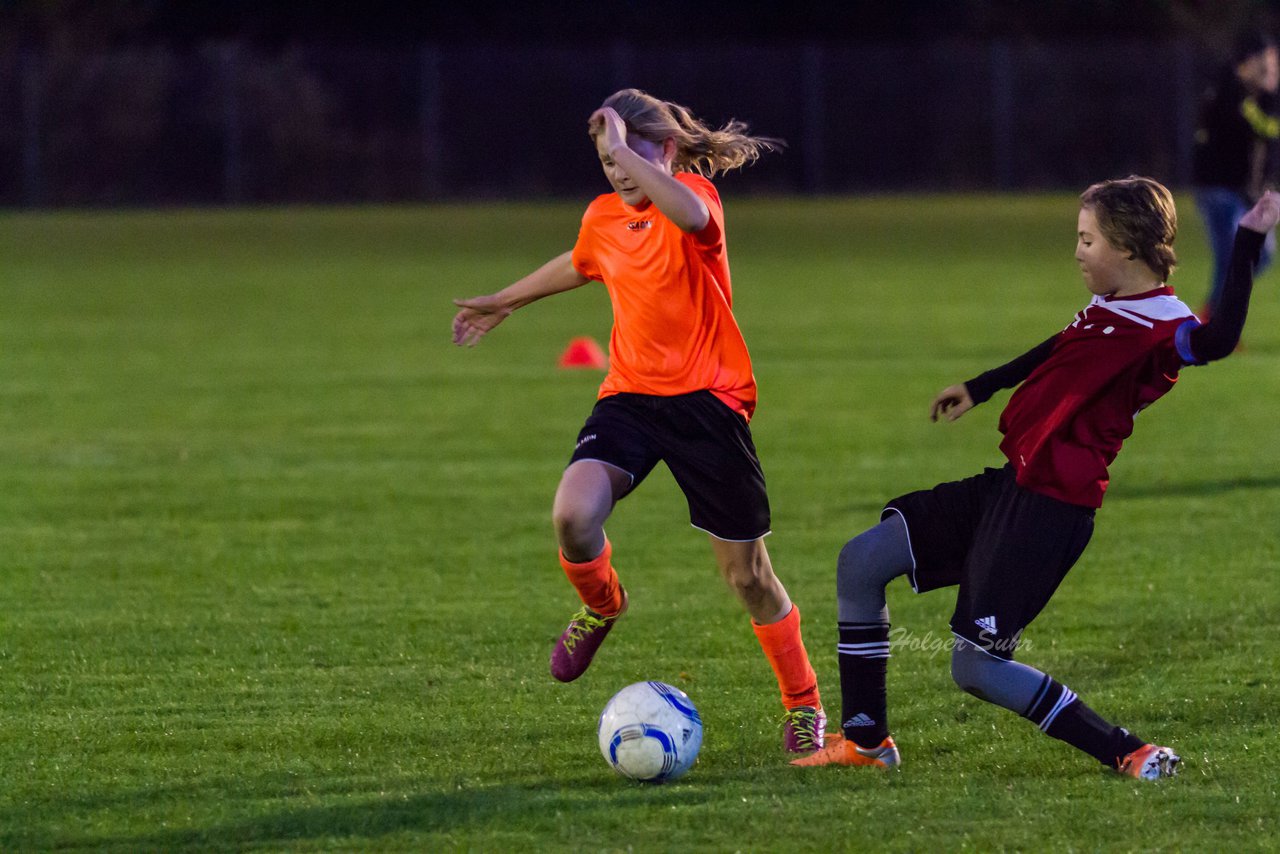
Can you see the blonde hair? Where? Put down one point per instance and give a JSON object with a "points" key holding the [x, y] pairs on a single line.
{"points": [[699, 148], [1137, 215]]}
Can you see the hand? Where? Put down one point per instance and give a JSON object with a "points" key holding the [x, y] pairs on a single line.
{"points": [[612, 126], [953, 401], [478, 316], [1263, 216]]}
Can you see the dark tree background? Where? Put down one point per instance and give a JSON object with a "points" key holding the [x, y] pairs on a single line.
{"points": [[101, 23], [227, 101]]}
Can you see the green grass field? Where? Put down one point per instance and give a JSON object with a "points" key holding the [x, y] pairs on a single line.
{"points": [[278, 571]]}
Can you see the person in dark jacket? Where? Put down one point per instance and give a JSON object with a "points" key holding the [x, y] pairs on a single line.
{"points": [[1237, 144]]}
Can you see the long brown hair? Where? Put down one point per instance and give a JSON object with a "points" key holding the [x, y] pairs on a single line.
{"points": [[1137, 215], [699, 148]]}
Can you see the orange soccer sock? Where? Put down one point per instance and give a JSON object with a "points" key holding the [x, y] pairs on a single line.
{"points": [[596, 581], [785, 650]]}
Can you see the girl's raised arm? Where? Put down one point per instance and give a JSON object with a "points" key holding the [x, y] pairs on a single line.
{"points": [[676, 201], [1218, 338]]}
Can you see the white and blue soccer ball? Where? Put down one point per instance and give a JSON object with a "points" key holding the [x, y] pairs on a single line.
{"points": [[651, 732]]}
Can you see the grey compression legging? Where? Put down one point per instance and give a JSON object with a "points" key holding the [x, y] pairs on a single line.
{"points": [[875, 557]]}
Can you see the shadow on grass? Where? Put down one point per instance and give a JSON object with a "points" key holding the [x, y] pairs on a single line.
{"points": [[1117, 492], [357, 815], [1192, 489]]}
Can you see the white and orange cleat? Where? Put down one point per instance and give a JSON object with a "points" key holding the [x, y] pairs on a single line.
{"points": [[1150, 762], [841, 751]]}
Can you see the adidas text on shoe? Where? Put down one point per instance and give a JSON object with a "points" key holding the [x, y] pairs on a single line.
{"points": [[577, 645], [803, 729], [1150, 762], [841, 751]]}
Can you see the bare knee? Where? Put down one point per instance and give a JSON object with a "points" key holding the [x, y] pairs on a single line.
{"points": [[579, 529], [584, 500], [749, 573], [746, 568], [572, 517]]}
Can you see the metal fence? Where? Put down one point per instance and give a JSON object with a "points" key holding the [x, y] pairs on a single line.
{"points": [[229, 123]]}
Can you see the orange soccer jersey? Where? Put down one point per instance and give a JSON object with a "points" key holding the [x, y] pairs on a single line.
{"points": [[673, 325]]}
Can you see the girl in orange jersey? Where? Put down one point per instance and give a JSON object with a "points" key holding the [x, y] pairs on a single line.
{"points": [[680, 388]]}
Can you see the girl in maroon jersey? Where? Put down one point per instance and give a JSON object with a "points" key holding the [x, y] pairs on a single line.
{"points": [[1008, 536]]}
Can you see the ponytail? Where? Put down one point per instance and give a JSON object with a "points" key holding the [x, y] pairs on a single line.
{"points": [[699, 148]]}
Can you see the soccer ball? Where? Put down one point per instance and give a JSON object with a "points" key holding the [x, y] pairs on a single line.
{"points": [[650, 731]]}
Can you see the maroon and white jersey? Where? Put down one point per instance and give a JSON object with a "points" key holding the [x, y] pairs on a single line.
{"points": [[1065, 423]]}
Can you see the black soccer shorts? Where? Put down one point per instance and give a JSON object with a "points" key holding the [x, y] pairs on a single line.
{"points": [[1007, 547], [706, 445]]}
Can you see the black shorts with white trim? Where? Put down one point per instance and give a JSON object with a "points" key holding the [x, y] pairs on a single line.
{"points": [[1007, 548], [706, 445]]}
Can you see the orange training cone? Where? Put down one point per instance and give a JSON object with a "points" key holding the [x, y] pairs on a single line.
{"points": [[582, 352]]}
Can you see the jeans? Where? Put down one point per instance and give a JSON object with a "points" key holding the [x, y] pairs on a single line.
{"points": [[1221, 209]]}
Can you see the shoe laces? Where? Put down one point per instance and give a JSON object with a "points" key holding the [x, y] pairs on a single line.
{"points": [[803, 721], [583, 623]]}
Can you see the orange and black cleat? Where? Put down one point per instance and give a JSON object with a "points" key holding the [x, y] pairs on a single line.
{"points": [[841, 751], [1150, 762]]}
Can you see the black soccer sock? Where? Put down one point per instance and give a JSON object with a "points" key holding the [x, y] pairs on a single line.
{"points": [[1061, 714], [864, 660]]}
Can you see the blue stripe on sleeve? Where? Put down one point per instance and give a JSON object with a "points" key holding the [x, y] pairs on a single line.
{"points": [[1182, 341]]}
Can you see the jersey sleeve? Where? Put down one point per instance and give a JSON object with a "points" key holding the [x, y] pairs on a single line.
{"points": [[711, 234], [1009, 374], [583, 257], [1199, 344]]}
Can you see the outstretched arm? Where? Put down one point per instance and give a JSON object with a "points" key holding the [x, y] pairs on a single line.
{"points": [[676, 201], [480, 314], [954, 401], [1218, 338]]}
